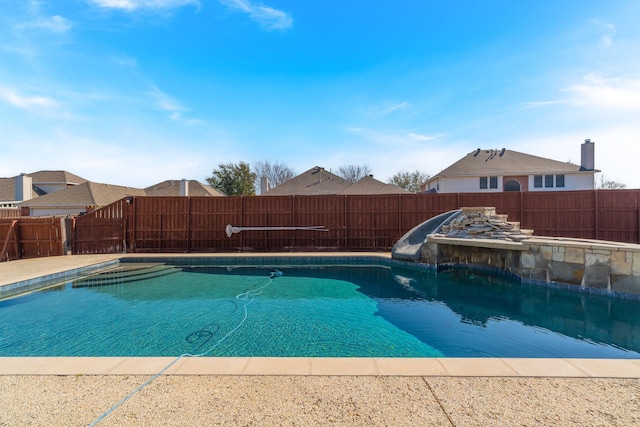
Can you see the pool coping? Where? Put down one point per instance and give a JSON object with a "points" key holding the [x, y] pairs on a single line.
{"points": [[311, 366], [28, 270]]}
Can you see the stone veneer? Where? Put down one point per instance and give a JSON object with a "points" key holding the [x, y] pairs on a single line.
{"points": [[591, 265]]}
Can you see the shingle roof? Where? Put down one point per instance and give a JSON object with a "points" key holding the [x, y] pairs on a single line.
{"points": [[171, 187], [85, 194], [505, 162], [8, 190], [370, 185], [55, 177], [315, 181], [318, 181]]}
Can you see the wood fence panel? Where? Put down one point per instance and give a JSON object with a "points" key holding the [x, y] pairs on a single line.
{"points": [[562, 214], [618, 215], [209, 217], [31, 237], [161, 224], [417, 208], [9, 249], [325, 211], [10, 212], [386, 219], [273, 212], [98, 236], [372, 221]]}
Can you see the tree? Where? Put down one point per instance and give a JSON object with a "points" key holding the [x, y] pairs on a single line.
{"points": [[277, 173], [233, 180], [608, 184], [353, 173], [410, 181]]}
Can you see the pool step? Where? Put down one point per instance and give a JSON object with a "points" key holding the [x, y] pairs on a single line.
{"points": [[126, 274]]}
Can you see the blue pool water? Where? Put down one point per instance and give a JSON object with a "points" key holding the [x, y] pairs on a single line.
{"points": [[362, 309]]}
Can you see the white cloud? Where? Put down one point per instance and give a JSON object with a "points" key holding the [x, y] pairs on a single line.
{"points": [[16, 99], [55, 24], [612, 94], [608, 31], [268, 17], [606, 95], [171, 105], [166, 102], [387, 108], [392, 138], [131, 5], [537, 104]]}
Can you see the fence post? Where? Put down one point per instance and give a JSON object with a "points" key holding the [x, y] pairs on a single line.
{"points": [[293, 221], [399, 213], [346, 218], [188, 224], [242, 221], [595, 214]]}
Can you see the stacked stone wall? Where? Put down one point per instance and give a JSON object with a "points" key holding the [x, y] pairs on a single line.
{"points": [[608, 267]]}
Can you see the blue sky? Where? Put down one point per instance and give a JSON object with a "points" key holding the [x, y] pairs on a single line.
{"points": [[133, 92]]}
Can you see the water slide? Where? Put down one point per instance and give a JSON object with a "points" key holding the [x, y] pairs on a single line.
{"points": [[409, 247]]}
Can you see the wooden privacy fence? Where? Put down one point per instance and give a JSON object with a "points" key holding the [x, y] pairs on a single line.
{"points": [[10, 213], [362, 222], [30, 238]]}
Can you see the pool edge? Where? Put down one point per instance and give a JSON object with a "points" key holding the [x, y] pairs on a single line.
{"points": [[481, 367], [304, 366]]}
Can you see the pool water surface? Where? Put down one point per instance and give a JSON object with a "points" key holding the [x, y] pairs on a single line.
{"points": [[309, 310]]}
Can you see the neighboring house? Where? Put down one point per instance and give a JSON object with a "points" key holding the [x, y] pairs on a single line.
{"points": [[506, 170], [87, 196], [370, 185], [318, 181], [15, 190], [27, 186], [315, 181], [47, 182], [182, 188], [77, 199]]}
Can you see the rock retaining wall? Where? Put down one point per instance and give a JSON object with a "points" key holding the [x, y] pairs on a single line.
{"points": [[591, 265]]}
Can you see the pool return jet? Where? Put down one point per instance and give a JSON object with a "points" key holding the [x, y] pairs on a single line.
{"points": [[232, 230]]}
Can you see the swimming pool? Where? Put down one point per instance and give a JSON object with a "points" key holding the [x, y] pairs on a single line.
{"points": [[318, 307]]}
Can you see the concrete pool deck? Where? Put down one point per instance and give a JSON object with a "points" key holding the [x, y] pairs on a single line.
{"points": [[309, 391]]}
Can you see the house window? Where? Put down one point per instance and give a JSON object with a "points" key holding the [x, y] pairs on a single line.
{"points": [[483, 182], [548, 181], [537, 181], [512, 185], [493, 182], [559, 180]]}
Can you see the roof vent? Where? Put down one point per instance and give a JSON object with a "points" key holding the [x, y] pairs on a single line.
{"points": [[502, 152], [476, 153]]}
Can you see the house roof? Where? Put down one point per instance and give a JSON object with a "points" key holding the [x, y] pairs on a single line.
{"points": [[319, 181], [7, 189], [171, 187], [505, 162], [85, 194], [370, 185], [55, 177], [315, 181]]}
